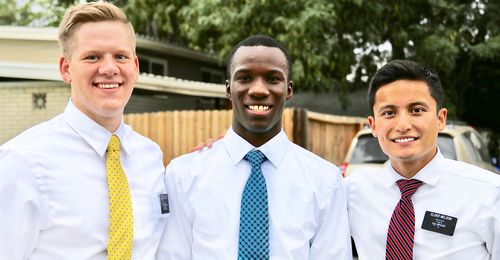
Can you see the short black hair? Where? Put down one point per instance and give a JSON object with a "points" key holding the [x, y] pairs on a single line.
{"points": [[259, 40], [409, 70]]}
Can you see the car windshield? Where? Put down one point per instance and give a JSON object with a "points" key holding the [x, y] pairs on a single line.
{"points": [[367, 149], [446, 146]]}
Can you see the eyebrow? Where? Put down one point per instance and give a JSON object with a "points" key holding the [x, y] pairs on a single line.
{"points": [[245, 70], [98, 50], [419, 103], [386, 107], [413, 104]]}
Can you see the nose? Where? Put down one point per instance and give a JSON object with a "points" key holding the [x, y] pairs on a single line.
{"points": [[108, 66], [259, 89], [403, 123]]}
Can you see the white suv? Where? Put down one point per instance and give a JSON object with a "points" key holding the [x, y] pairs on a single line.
{"points": [[457, 142]]}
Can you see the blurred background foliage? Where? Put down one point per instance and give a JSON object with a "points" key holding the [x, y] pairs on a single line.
{"points": [[335, 45]]}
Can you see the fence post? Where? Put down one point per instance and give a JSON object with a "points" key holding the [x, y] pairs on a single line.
{"points": [[300, 120]]}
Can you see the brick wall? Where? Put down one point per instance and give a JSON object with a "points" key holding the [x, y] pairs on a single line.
{"points": [[18, 111]]}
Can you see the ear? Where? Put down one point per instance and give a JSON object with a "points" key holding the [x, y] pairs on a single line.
{"points": [[289, 90], [136, 63], [64, 69], [228, 89], [371, 123], [441, 116]]}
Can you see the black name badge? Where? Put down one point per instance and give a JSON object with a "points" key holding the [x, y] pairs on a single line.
{"points": [[440, 223], [164, 208]]}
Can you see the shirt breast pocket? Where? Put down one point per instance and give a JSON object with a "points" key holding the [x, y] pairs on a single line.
{"points": [[161, 205]]}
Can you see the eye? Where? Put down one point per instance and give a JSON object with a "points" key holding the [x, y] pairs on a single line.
{"points": [[387, 113], [417, 110], [274, 79], [244, 78], [121, 57], [92, 58]]}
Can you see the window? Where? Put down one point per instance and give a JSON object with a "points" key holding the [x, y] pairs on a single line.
{"points": [[153, 66], [469, 147], [481, 149], [39, 101], [212, 76], [368, 150], [447, 146]]}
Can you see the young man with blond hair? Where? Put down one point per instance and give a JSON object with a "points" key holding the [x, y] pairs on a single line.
{"points": [[84, 185]]}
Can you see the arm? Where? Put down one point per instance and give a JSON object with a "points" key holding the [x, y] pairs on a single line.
{"points": [[177, 239], [333, 240], [23, 207], [491, 218]]}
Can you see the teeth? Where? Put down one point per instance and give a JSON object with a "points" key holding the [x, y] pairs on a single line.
{"points": [[404, 140], [108, 85], [258, 108]]}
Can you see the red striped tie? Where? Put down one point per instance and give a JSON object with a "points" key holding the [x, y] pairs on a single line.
{"points": [[402, 226]]}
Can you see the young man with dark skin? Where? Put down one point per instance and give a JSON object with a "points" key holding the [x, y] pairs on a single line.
{"points": [[84, 185], [301, 206], [420, 205]]}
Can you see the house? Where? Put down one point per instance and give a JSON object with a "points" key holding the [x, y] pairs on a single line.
{"points": [[32, 91]]}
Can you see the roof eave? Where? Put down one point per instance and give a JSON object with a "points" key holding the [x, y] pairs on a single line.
{"points": [[145, 81]]}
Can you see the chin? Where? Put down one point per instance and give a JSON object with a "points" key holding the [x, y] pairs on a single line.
{"points": [[258, 130], [405, 157]]}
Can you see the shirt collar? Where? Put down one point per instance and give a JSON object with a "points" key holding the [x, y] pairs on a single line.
{"points": [[429, 174], [274, 149], [93, 133]]}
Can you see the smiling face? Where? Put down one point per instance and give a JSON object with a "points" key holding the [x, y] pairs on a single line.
{"points": [[258, 89], [406, 124], [102, 70]]}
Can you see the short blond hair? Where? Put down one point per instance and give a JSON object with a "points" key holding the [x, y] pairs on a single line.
{"points": [[86, 13]]}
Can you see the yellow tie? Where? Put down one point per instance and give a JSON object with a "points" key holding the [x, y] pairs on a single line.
{"points": [[120, 207]]}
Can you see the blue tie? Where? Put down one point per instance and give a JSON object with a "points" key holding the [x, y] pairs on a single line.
{"points": [[254, 219]]}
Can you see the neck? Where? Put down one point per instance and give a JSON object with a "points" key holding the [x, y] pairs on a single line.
{"points": [[409, 168], [258, 139], [111, 125]]}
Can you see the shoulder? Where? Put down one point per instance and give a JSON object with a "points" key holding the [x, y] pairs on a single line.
{"points": [[471, 173], [142, 143], [366, 178], [36, 137], [367, 172], [316, 167], [205, 158], [478, 183], [309, 158], [20, 157]]}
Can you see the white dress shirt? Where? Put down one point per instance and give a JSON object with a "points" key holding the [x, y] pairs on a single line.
{"points": [[54, 192], [306, 194], [450, 188]]}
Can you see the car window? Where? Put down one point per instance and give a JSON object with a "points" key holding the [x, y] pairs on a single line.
{"points": [[447, 146], [479, 146], [469, 149], [367, 150]]}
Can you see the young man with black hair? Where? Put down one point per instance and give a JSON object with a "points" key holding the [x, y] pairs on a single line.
{"points": [[420, 205], [255, 194]]}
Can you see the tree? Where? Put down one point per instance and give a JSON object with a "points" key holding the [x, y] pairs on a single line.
{"points": [[156, 18], [32, 12], [452, 37], [331, 41], [322, 56]]}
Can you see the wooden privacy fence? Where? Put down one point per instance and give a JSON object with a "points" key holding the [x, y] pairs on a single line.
{"points": [[330, 136], [178, 131]]}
